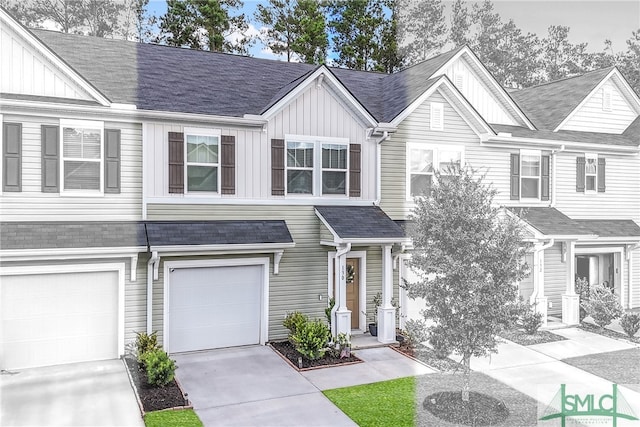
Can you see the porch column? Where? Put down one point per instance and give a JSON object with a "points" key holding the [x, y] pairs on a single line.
{"points": [[571, 301], [343, 314], [386, 312], [540, 301]]}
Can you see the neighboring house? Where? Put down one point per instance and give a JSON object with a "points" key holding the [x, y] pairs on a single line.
{"points": [[204, 195]]}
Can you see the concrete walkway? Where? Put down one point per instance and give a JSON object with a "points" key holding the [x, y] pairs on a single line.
{"points": [[253, 386]]}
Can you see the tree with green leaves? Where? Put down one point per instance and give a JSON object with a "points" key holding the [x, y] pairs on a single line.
{"points": [[422, 29], [469, 254], [205, 25], [296, 28]]}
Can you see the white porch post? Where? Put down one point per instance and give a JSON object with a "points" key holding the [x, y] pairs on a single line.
{"points": [[541, 301], [386, 312], [571, 301], [343, 314]]}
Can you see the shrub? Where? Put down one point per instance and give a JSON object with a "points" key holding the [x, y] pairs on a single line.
{"points": [[311, 338], [602, 306], [583, 290], [145, 343], [630, 322], [293, 322], [160, 369], [327, 311], [415, 332], [531, 321]]}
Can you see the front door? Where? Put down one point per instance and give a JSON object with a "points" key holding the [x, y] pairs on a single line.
{"points": [[353, 291]]}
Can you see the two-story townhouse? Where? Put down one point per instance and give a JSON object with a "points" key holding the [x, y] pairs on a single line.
{"points": [[563, 157], [204, 195]]}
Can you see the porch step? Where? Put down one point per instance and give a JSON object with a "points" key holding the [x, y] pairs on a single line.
{"points": [[362, 341]]}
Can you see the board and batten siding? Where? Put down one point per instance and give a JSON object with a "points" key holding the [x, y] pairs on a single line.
{"points": [[591, 117], [31, 204], [26, 71], [477, 93], [621, 199], [555, 278], [416, 129], [303, 272]]}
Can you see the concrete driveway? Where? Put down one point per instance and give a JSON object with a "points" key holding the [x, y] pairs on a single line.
{"points": [[253, 386], [78, 394]]}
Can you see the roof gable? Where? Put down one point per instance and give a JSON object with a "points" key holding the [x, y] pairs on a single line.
{"points": [[30, 68]]}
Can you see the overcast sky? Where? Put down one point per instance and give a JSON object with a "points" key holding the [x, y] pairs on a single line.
{"points": [[590, 21]]}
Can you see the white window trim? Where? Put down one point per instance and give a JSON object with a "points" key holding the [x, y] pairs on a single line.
{"points": [[83, 124], [202, 132], [593, 156], [433, 123], [436, 160], [316, 175], [537, 153]]}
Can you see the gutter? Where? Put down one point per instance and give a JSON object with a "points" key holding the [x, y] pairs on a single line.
{"points": [[536, 252], [385, 136], [500, 141]]}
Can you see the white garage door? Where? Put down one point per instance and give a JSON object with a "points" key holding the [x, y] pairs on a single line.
{"points": [[50, 319], [214, 307]]}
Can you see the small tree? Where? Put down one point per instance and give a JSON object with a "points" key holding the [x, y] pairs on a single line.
{"points": [[469, 253], [603, 306]]}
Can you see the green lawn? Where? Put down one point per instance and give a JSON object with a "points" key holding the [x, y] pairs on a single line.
{"points": [[177, 418], [387, 403]]}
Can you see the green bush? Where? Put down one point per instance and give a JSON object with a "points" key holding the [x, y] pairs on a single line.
{"points": [[602, 306], [415, 332], [293, 322], [630, 322], [160, 369], [311, 339], [583, 290], [145, 343], [327, 311], [531, 321]]}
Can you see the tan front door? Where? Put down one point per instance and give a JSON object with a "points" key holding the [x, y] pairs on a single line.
{"points": [[353, 291]]}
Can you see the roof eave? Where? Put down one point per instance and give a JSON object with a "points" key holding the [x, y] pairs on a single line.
{"points": [[557, 144]]}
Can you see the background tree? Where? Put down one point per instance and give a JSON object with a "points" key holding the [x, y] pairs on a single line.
{"points": [[205, 25], [136, 22], [68, 15], [296, 28], [422, 29], [20, 11], [469, 256], [459, 24], [560, 58], [101, 17]]}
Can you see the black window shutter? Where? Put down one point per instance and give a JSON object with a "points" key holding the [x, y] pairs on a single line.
{"points": [[515, 176], [228, 164], [176, 162], [112, 160], [601, 174], [277, 167], [12, 157], [49, 137], [354, 170], [544, 184], [580, 178]]}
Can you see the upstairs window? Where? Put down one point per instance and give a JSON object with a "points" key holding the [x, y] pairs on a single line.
{"points": [[300, 167], [82, 156], [423, 161], [203, 163], [590, 174], [334, 168], [530, 174]]}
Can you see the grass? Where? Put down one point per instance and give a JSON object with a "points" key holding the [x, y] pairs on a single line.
{"points": [[620, 367], [177, 418], [387, 403]]}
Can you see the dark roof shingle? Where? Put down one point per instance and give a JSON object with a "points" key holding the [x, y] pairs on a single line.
{"points": [[360, 222]]}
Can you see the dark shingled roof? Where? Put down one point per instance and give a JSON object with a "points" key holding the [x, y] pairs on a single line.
{"points": [[611, 227], [119, 234], [69, 235], [547, 105], [550, 221], [236, 232], [360, 222], [628, 139]]}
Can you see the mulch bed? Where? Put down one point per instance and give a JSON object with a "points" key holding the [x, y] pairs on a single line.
{"points": [[480, 410], [521, 337], [154, 398], [590, 327], [286, 350]]}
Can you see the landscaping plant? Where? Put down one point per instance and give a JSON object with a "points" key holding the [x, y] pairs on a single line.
{"points": [[527, 317], [469, 253], [145, 343], [160, 369], [583, 290], [602, 306], [293, 322], [327, 311], [630, 323], [311, 338]]}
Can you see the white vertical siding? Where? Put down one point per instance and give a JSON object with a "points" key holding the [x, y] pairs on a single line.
{"points": [[32, 205], [24, 70], [477, 93], [555, 278], [592, 118]]}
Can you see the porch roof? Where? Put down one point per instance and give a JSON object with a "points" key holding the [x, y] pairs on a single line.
{"points": [[611, 228], [360, 224]]}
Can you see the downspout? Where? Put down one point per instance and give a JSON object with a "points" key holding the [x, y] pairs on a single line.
{"points": [[553, 176], [151, 268], [385, 136], [339, 253], [536, 266]]}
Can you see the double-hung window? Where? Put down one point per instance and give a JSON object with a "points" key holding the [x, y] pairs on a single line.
{"points": [[530, 165], [82, 156], [591, 172], [202, 161], [423, 160], [316, 166]]}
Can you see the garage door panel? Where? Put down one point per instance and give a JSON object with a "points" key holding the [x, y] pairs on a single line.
{"points": [[57, 318], [214, 307]]}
